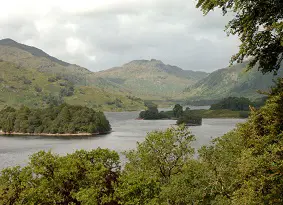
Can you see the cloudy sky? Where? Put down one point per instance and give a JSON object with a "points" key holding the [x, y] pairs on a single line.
{"points": [[99, 34]]}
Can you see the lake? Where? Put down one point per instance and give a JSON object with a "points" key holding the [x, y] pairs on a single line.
{"points": [[15, 150]]}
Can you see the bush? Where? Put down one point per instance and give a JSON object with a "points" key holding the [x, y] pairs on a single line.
{"points": [[52, 79], [27, 81], [38, 89]]}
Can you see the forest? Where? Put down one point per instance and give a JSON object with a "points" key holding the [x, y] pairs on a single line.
{"points": [[60, 119]]}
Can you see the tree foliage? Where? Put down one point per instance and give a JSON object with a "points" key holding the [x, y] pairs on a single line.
{"points": [[189, 119], [84, 177], [160, 157], [233, 103], [55, 119], [151, 113], [260, 28], [178, 110], [183, 117]]}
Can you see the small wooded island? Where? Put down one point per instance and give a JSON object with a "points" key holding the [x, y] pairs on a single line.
{"points": [[231, 107], [62, 120], [182, 117]]}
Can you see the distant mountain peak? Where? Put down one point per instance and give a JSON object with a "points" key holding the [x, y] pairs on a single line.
{"points": [[145, 62], [156, 61]]}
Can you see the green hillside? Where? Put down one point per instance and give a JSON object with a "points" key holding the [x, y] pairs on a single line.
{"points": [[231, 81], [32, 50], [38, 80], [151, 79], [29, 57]]}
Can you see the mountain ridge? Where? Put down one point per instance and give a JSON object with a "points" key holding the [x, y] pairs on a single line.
{"points": [[233, 81], [32, 50], [150, 78], [158, 65]]}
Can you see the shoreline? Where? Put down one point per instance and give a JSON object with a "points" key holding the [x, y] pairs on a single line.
{"points": [[55, 134]]}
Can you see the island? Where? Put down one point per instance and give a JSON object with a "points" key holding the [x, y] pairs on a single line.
{"points": [[182, 117], [62, 120], [231, 107]]}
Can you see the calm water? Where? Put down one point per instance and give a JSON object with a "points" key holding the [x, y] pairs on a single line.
{"points": [[127, 131]]}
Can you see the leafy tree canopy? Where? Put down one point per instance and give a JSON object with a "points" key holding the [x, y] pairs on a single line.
{"points": [[84, 177], [152, 113], [178, 110], [159, 158], [259, 24]]}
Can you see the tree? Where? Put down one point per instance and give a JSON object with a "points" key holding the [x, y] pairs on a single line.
{"points": [[160, 157], [14, 182], [189, 119], [260, 28], [150, 114], [191, 186], [84, 177], [178, 110], [246, 164]]}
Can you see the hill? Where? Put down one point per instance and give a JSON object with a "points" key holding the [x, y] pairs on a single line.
{"points": [[30, 57], [32, 50], [151, 79], [231, 81], [31, 77]]}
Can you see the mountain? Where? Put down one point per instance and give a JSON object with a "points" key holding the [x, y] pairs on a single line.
{"points": [[32, 50], [151, 79], [30, 57], [231, 81], [29, 76], [158, 81]]}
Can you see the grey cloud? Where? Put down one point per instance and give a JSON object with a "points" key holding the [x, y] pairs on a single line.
{"points": [[172, 31]]}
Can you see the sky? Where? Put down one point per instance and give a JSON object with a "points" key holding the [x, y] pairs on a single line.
{"points": [[100, 34]]}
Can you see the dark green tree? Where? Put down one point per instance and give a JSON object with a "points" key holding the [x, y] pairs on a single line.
{"points": [[150, 114], [178, 110], [259, 24]]}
